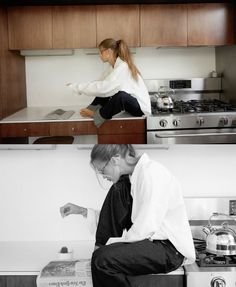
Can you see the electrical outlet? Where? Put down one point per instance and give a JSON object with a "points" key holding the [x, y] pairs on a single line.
{"points": [[232, 207]]}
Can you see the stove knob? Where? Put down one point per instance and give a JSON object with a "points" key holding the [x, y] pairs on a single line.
{"points": [[200, 121], [163, 123], [218, 282], [223, 122], [176, 123]]}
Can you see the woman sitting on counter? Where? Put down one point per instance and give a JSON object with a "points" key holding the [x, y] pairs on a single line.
{"points": [[143, 226], [121, 87]]}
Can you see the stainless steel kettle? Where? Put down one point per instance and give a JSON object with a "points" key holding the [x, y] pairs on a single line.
{"points": [[220, 241], [165, 98]]}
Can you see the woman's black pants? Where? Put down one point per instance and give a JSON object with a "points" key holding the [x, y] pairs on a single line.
{"points": [[119, 102], [113, 264]]}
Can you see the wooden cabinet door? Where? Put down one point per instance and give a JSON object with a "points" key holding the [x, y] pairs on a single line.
{"points": [[210, 24], [118, 22], [122, 127], [122, 139], [122, 132], [21, 281], [30, 27], [74, 27], [24, 129], [3, 281], [72, 128], [163, 25]]}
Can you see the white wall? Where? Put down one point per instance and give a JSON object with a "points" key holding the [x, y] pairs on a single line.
{"points": [[35, 183], [46, 75]]}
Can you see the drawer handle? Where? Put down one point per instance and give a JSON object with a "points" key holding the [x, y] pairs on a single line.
{"points": [[121, 127], [72, 128], [25, 129]]}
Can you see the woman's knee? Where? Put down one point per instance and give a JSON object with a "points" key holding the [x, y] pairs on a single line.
{"points": [[101, 257], [121, 96]]}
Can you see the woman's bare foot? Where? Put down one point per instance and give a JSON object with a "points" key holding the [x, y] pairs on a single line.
{"points": [[87, 113]]}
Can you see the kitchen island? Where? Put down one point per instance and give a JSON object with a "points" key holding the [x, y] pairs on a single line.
{"points": [[33, 122], [21, 261]]}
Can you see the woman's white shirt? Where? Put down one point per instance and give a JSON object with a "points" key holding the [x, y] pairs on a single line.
{"points": [[114, 80], [158, 210]]}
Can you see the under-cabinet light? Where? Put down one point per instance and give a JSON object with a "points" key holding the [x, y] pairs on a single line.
{"points": [[136, 146], [27, 147], [51, 52]]}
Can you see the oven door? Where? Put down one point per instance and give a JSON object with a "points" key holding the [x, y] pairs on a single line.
{"points": [[192, 136]]}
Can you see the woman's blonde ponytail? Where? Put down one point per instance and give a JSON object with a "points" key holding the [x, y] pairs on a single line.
{"points": [[125, 55]]}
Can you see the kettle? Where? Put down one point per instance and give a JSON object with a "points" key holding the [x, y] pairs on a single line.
{"points": [[220, 241], [164, 98]]}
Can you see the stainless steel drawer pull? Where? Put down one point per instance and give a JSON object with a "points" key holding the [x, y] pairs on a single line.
{"points": [[72, 128], [193, 135]]}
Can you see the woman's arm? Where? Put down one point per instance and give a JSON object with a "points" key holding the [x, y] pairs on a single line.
{"points": [[104, 88], [91, 215]]}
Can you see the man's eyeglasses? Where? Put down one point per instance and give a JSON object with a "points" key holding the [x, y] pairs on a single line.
{"points": [[102, 170]]}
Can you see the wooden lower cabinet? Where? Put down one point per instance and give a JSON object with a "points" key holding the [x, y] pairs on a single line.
{"points": [[122, 139], [122, 131], [72, 128], [24, 130], [18, 281], [3, 281], [115, 131]]}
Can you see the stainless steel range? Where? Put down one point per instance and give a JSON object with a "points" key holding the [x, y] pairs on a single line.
{"points": [[210, 270], [197, 116]]}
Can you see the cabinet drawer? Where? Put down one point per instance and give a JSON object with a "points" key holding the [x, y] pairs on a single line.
{"points": [[25, 129], [122, 127], [72, 128], [23, 280], [122, 139]]}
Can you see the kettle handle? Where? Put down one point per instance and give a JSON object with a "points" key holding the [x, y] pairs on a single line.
{"points": [[219, 214]]}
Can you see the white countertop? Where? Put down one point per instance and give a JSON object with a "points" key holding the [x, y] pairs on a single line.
{"points": [[29, 257], [37, 114]]}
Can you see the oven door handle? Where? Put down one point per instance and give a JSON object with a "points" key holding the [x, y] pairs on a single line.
{"points": [[193, 135]]}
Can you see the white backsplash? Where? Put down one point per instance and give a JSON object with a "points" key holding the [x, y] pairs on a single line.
{"points": [[35, 183], [46, 76]]}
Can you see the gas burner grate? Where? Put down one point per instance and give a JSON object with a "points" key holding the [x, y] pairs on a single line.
{"points": [[197, 106], [210, 260]]}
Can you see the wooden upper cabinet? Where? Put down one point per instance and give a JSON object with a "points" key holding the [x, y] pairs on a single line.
{"points": [[210, 24], [74, 27], [163, 25], [30, 27], [118, 22]]}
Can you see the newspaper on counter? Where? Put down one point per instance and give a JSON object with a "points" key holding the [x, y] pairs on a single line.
{"points": [[59, 114], [67, 273]]}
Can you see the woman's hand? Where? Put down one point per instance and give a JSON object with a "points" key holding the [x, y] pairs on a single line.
{"points": [[71, 208]]}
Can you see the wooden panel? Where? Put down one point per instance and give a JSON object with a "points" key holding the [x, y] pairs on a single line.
{"points": [[3, 282], [12, 74], [14, 85], [122, 127], [30, 27], [72, 128], [210, 24], [21, 281], [25, 129], [122, 139], [118, 22], [163, 25], [74, 27]]}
